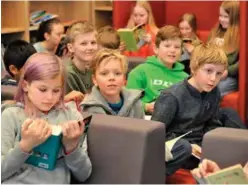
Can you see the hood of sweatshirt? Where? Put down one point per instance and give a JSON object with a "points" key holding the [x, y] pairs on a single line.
{"points": [[95, 99]]}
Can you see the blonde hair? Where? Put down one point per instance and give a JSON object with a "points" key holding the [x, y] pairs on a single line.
{"points": [[207, 54], [108, 54], [166, 33], [191, 19], [147, 7], [77, 28], [231, 34]]}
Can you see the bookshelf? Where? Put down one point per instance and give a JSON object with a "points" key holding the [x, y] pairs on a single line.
{"points": [[102, 13], [15, 16]]}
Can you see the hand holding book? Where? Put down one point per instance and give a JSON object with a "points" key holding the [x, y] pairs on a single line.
{"points": [[209, 172], [33, 133], [72, 131]]}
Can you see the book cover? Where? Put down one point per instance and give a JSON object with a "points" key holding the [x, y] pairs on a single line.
{"points": [[231, 175], [131, 37], [45, 155]]}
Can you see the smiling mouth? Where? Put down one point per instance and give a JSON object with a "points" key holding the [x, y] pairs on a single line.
{"points": [[112, 85]]}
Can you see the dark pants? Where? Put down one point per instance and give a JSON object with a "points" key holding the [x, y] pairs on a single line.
{"points": [[181, 151]]}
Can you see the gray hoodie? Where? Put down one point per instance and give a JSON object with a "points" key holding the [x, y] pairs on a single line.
{"points": [[13, 166], [132, 106]]}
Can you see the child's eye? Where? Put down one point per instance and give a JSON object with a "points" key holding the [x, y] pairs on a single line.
{"points": [[178, 47], [219, 74], [93, 42], [42, 90], [209, 71], [118, 73], [84, 43], [56, 90], [103, 73]]}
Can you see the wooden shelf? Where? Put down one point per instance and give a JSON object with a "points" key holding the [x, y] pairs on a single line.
{"points": [[66, 24], [104, 8], [12, 30]]}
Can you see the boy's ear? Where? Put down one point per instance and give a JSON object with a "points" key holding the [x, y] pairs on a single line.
{"points": [[70, 48], [94, 80], [46, 36], [155, 49], [13, 70]]}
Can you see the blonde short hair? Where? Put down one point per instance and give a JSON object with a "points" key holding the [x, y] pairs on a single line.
{"points": [[207, 54], [77, 28], [108, 54]]}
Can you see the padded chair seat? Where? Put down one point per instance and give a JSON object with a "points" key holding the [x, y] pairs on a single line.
{"points": [[226, 146], [230, 100]]}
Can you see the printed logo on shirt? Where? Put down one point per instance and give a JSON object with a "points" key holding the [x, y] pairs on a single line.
{"points": [[157, 82]]}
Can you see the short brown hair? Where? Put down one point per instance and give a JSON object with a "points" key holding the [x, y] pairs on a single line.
{"points": [[167, 32], [207, 54], [104, 54], [79, 27], [108, 38]]}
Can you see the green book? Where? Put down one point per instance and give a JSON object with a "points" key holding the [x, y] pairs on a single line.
{"points": [[129, 37], [231, 175]]}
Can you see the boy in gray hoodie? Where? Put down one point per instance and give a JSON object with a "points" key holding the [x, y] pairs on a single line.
{"points": [[109, 96]]}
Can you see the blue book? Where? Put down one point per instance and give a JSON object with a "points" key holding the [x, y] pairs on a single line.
{"points": [[45, 155]]}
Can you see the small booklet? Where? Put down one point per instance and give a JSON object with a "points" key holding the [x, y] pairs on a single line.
{"points": [[45, 155], [172, 142], [231, 175], [131, 40]]}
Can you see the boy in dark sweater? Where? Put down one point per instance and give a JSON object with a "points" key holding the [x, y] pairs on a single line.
{"points": [[193, 104]]}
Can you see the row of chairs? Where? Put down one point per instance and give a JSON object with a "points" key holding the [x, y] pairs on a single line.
{"points": [[128, 150]]}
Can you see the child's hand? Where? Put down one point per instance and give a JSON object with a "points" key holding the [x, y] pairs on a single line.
{"points": [[189, 47], [33, 133], [149, 107], [72, 131], [205, 168], [122, 47], [74, 96], [147, 38]]}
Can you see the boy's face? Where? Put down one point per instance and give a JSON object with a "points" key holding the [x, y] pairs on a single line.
{"points": [[84, 47], [109, 77], [56, 34], [44, 94], [169, 51], [207, 76]]}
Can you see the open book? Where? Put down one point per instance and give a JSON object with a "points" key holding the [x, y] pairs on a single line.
{"points": [[45, 155], [231, 175], [131, 39]]}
